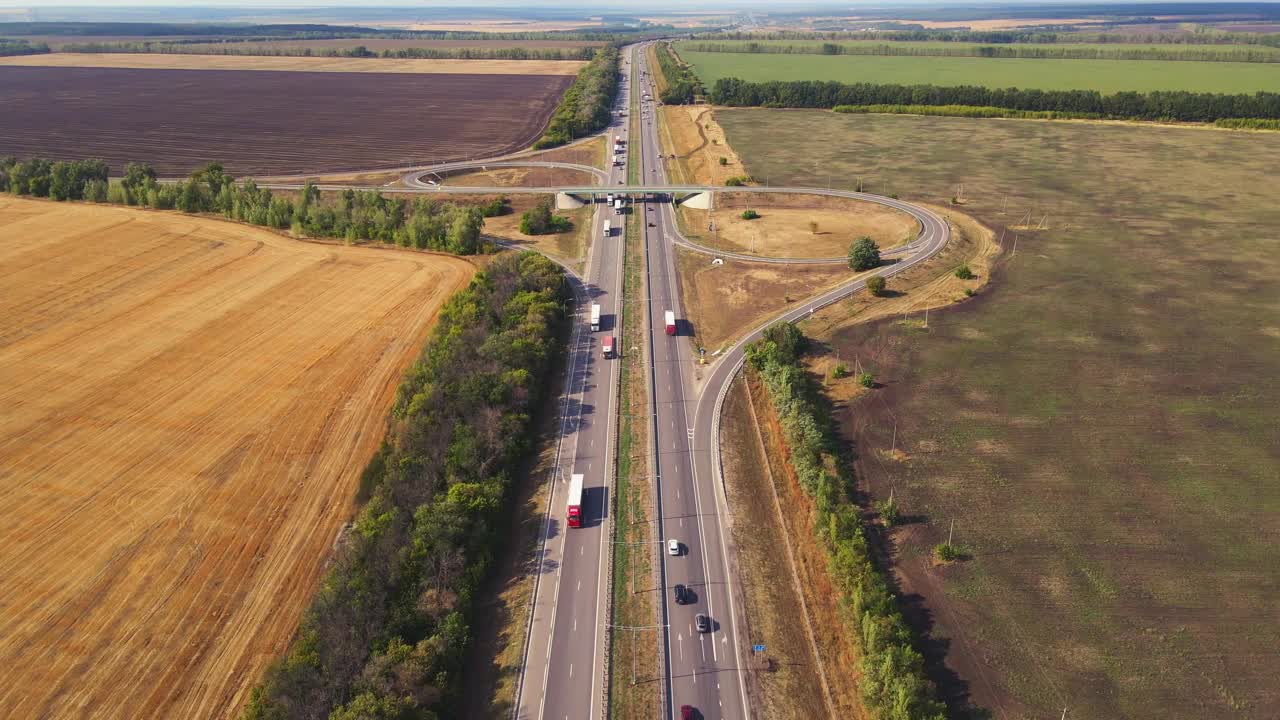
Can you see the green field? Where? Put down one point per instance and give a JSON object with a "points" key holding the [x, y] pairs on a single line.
{"points": [[960, 48], [1099, 423], [1106, 76]]}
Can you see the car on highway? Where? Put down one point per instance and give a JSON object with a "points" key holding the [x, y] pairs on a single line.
{"points": [[682, 594], [688, 712], [702, 623], [652, 225], [673, 547]]}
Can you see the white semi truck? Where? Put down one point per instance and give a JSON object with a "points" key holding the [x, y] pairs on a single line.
{"points": [[595, 317]]}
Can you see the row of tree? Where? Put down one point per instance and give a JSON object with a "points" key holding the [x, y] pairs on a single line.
{"points": [[683, 86], [1006, 37], [1156, 105], [353, 215], [587, 105], [59, 180], [359, 51], [971, 111], [1024, 51], [387, 633], [21, 47], [893, 683]]}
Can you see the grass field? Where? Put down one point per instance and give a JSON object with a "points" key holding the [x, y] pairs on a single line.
{"points": [[1099, 423], [1107, 76], [957, 47], [164, 61], [189, 405]]}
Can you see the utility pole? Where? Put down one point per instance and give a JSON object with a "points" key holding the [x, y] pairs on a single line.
{"points": [[952, 533]]}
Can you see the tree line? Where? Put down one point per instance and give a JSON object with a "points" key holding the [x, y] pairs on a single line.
{"points": [[1043, 52], [352, 215], [1006, 37], [387, 632], [970, 111], [21, 47], [587, 105], [1156, 105], [894, 684], [359, 51], [683, 86]]}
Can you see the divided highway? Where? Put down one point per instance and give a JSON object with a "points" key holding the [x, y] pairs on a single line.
{"points": [[562, 676]]}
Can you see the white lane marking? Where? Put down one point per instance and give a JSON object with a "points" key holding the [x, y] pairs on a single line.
{"points": [[570, 670]]}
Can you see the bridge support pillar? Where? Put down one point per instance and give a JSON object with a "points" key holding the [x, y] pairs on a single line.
{"points": [[700, 201], [565, 201]]}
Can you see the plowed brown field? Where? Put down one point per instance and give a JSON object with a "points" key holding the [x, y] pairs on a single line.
{"points": [[264, 122], [187, 407]]}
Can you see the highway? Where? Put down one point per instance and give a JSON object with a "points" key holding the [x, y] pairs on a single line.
{"points": [[703, 668], [562, 674]]}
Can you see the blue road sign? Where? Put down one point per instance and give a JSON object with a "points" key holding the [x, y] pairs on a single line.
{"points": [[757, 648]]}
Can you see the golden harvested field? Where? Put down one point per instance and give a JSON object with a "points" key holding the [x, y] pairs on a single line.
{"points": [[157, 61], [188, 405]]}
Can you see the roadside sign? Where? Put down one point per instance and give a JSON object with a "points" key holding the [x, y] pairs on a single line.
{"points": [[757, 648]]}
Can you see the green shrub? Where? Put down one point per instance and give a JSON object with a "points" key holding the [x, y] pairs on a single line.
{"points": [[946, 552], [540, 220], [866, 380], [964, 273], [750, 214], [724, 161], [864, 254], [889, 512], [876, 285], [840, 371], [968, 292]]}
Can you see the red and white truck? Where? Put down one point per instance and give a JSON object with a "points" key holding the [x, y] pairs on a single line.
{"points": [[606, 347], [574, 514], [671, 323]]}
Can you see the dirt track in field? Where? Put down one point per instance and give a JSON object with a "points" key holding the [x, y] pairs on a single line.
{"points": [[269, 123], [188, 407]]}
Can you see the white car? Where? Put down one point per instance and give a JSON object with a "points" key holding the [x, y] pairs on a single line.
{"points": [[673, 547]]}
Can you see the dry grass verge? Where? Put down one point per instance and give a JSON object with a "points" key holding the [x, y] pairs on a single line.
{"points": [[783, 227], [519, 177], [775, 614], [691, 133], [722, 302], [929, 285]]}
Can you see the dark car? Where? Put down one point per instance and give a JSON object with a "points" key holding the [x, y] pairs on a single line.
{"points": [[682, 594], [652, 225], [688, 713], [701, 623]]}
